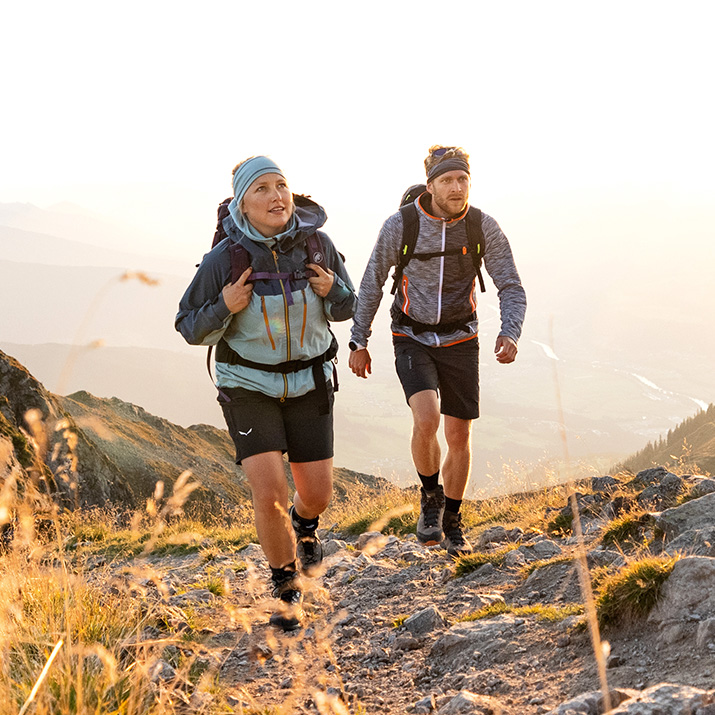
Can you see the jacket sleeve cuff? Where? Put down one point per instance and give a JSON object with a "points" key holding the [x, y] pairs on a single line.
{"points": [[220, 308], [338, 291]]}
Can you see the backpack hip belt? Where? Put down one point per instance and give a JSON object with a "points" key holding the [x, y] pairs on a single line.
{"points": [[226, 354], [445, 327]]}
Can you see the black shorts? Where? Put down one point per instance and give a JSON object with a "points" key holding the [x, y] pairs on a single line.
{"points": [[258, 423], [452, 371]]}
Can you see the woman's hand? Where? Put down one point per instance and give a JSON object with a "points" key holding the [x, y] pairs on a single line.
{"points": [[238, 295], [322, 282]]}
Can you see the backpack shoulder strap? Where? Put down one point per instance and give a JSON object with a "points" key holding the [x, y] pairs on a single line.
{"points": [[222, 213], [475, 236], [314, 248], [410, 230]]}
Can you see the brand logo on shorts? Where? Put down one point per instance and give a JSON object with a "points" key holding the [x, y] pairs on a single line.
{"points": [[245, 434]]}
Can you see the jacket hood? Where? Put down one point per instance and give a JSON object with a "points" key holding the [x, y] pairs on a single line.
{"points": [[309, 215]]}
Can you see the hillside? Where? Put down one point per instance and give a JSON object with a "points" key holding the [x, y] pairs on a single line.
{"points": [[123, 450], [690, 444]]}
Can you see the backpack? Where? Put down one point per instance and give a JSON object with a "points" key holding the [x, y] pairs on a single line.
{"points": [[239, 255], [410, 231], [240, 261]]}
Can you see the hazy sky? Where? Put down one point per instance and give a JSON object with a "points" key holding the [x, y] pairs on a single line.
{"points": [[139, 110]]}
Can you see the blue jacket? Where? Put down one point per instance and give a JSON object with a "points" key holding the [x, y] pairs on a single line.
{"points": [[271, 329]]}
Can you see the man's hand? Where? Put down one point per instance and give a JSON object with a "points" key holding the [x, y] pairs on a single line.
{"points": [[360, 362], [323, 282], [238, 295], [505, 350]]}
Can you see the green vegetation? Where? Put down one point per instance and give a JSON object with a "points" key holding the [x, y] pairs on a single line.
{"points": [[542, 563], [561, 524], [552, 614], [471, 562], [626, 530], [634, 590]]}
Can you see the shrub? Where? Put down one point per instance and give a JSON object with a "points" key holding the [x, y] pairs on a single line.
{"points": [[634, 590], [625, 529]]}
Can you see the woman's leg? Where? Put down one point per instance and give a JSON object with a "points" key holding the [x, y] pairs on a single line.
{"points": [[266, 476], [313, 487]]}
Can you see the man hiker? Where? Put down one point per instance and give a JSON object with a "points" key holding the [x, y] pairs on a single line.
{"points": [[437, 243]]}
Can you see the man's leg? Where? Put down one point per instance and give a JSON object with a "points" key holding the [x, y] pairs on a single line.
{"points": [[456, 469], [426, 455]]}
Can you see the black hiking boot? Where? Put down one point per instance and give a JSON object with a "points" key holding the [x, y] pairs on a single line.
{"points": [[454, 540], [289, 615], [308, 549], [429, 525]]}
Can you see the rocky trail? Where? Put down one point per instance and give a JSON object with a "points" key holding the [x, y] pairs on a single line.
{"points": [[388, 628]]}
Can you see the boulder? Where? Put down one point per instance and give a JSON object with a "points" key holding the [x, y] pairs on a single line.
{"points": [[688, 592], [606, 483], [468, 703], [695, 514], [694, 542], [666, 698], [424, 622]]}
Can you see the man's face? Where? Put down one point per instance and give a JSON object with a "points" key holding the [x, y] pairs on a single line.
{"points": [[450, 193]]}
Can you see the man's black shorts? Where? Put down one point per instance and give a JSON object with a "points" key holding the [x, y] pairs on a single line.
{"points": [[453, 372], [258, 423]]}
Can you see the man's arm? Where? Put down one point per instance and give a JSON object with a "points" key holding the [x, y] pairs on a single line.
{"points": [[384, 256], [499, 263]]}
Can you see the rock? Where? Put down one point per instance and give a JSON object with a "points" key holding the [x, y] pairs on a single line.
{"points": [[648, 477], [332, 547], [618, 506], [689, 590], [493, 535], [365, 538], [160, 670], [198, 595], [406, 643], [664, 698], [604, 484], [604, 557], [703, 486], [706, 633], [485, 599], [488, 635], [540, 550], [696, 514], [514, 559], [472, 704], [424, 622], [694, 542], [592, 703], [252, 552], [426, 705]]}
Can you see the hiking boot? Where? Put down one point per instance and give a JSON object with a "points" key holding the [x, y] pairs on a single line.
{"points": [[429, 525], [308, 549], [289, 615], [454, 540]]}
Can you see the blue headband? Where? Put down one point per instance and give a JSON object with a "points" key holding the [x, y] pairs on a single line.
{"points": [[249, 171], [245, 175]]}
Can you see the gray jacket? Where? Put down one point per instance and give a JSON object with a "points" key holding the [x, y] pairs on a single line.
{"points": [[441, 289]]}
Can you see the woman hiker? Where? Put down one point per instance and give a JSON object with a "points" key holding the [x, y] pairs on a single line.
{"points": [[263, 296]]}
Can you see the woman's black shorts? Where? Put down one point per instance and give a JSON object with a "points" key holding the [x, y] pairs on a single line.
{"points": [[258, 423], [452, 371]]}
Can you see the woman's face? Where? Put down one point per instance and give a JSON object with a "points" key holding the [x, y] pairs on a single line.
{"points": [[268, 204]]}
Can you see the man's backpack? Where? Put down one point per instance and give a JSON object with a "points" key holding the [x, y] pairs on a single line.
{"points": [[410, 231]]}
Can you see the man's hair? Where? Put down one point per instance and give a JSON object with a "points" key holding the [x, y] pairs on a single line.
{"points": [[451, 152]]}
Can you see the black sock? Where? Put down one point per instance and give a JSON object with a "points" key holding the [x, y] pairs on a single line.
{"points": [[284, 573], [452, 505], [429, 483], [308, 524]]}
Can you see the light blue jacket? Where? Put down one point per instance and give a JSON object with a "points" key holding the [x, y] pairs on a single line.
{"points": [[273, 328]]}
